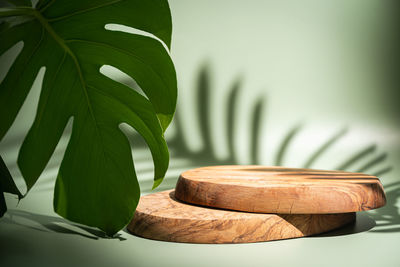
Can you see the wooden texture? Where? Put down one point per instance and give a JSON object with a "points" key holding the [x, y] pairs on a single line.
{"points": [[280, 190], [160, 216]]}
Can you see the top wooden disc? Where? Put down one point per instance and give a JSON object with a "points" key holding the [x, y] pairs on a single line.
{"points": [[280, 190]]}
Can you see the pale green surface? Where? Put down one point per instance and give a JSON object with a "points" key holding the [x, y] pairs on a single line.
{"points": [[315, 60]]}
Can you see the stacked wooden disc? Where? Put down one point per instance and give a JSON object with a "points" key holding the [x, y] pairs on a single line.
{"points": [[242, 204]]}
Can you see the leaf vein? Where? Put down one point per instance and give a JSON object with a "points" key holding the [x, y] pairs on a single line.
{"points": [[49, 4], [83, 11], [112, 97], [67, 49]]}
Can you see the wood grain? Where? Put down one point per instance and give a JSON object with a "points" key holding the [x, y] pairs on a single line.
{"points": [[280, 190], [160, 216]]}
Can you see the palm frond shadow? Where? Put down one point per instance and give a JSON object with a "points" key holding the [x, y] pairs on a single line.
{"points": [[206, 156], [366, 157], [388, 217]]}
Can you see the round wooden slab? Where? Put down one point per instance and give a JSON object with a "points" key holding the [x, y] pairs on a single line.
{"points": [[280, 190], [160, 216]]}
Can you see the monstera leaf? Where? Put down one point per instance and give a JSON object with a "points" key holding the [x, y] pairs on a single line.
{"points": [[96, 183]]}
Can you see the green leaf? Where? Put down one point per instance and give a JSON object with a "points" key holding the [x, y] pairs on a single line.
{"points": [[27, 3], [7, 185], [96, 183]]}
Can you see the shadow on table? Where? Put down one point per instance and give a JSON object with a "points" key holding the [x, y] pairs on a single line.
{"points": [[388, 217], [362, 223], [53, 224]]}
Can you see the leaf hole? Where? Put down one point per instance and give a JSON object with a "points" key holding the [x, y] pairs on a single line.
{"points": [[141, 155], [119, 76], [131, 30]]}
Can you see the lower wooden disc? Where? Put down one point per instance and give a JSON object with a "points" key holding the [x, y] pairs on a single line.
{"points": [[160, 216]]}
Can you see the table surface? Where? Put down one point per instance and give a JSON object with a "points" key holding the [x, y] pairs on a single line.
{"points": [[32, 234]]}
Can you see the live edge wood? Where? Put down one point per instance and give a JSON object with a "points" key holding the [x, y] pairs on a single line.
{"points": [[160, 216], [280, 190]]}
